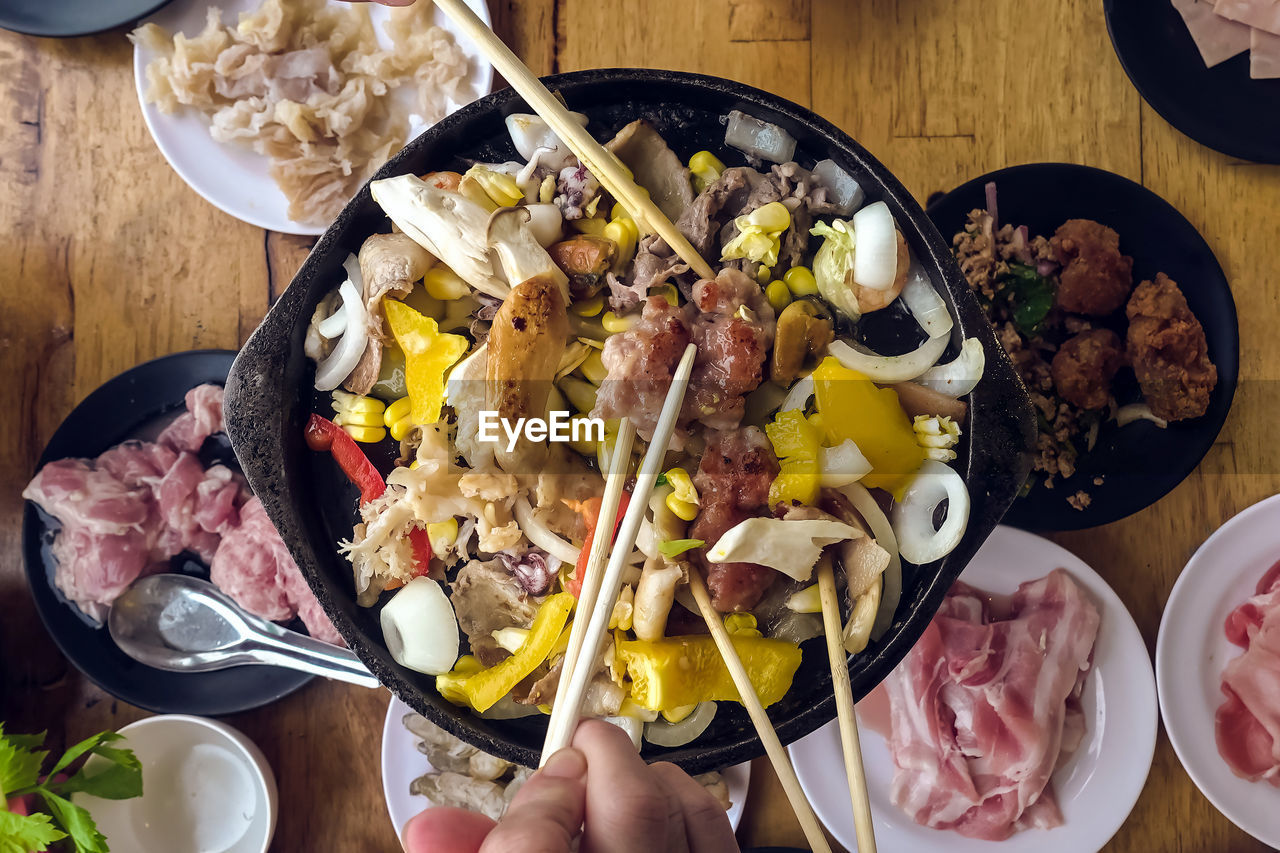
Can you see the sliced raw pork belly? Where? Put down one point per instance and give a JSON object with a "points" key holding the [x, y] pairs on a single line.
{"points": [[982, 708], [1217, 38], [1248, 723]]}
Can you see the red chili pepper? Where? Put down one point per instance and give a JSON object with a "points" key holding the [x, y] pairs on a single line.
{"points": [[590, 510], [323, 434], [421, 551]]}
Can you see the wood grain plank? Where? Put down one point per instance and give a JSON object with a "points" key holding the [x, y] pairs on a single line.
{"points": [[769, 20]]}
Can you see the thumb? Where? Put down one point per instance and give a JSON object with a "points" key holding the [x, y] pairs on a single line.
{"points": [[446, 830], [546, 814]]}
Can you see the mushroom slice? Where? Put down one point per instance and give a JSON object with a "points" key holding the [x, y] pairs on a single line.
{"points": [[802, 333]]}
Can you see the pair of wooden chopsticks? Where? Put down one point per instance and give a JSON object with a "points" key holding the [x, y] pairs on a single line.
{"points": [[601, 591]]}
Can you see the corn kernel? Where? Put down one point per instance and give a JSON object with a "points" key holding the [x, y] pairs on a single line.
{"points": [[675, 715], [684, 499], [547, 189], [445, 284], [778, 295], [620, 212], [620, 617], [800, 281], [741, 625], [763, 274], [588, 307], [397, 410], [366, 434], [500, 187], [613, 324], [594, 226], [706, 168], [442, 535], [593, 368], [361, 417], [624, 233]]}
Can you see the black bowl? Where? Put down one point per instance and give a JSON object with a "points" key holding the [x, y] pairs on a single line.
{"points": [[1221, 107], [1139, 463], [269, 398], [137, 404]]}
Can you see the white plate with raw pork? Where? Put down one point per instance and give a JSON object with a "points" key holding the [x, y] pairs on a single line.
{"points": [[403, 762], [238, 180], [1193, 650], [1095, 787]]}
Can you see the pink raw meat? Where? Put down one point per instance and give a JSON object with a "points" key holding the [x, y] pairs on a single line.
{"points": [[1248, 723], [1217, 38], [1264, 55], [982, 709], [1259, 14], [202, 419]]}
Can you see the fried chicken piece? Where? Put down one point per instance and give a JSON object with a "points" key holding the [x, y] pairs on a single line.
{"points": [[1084, 367], [1168, 351], [1095, 278]]}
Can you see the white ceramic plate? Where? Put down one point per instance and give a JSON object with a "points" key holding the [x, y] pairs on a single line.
{"points": [[231, 177], [1096, 788], [402, 763], [1193, 650]]}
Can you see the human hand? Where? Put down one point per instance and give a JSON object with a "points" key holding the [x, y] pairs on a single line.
{"points": [[600, 789]]}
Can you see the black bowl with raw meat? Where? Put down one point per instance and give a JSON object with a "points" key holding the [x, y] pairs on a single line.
{"points": [[269, 397]]}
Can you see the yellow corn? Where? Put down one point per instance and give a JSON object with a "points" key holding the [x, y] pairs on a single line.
{"points": [[593, 368], [500, 187], [361, 417], [675, 715], [763, 274], [706, 168], [620, 212], [937, 435], [807, 600], [625, 234], [547, 189], [620, 617], [396, 418], [778, 295], [544, 708], [613, 324], [594, 225], [445, 284], [741, 625], [800, 281], [442, 534], [588, 307], [668, 292], [683, 500]]}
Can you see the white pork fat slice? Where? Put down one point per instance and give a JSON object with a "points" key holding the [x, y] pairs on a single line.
{"points": [[789, 546], [1217, 38]]}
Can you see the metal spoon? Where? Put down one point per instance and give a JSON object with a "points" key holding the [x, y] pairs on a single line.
{"points": [[184, 624]]}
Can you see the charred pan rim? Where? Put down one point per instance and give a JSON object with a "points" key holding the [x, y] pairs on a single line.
{"points": [[266, 409]]}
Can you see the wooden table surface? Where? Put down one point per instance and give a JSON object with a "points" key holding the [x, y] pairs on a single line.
{"points": [[108, 259]]}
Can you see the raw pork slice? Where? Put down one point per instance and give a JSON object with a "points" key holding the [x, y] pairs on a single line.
{"points": [[202, 419], [1259, 14], [1264, 54], [1217, 38], [1248, 723], [982, 708]]}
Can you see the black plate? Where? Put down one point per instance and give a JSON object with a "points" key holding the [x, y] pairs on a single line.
{"points": [[61, 18], [129, 406], [1221, 107], [269, 399], [1141, 463]]}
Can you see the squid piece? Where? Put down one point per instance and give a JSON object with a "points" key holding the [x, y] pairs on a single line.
{"points": [[654, 596]]}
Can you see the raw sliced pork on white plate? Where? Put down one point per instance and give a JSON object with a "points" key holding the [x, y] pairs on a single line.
{"points": [[402, 763], [1193, 650], [1096, 787]]}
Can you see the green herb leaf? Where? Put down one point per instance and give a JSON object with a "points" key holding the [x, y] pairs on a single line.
{"points": [[86, 745], [77, 822], [118, 777], [676, 547], [662, 480], [1031, 295], [19, 764], [26, 833]]}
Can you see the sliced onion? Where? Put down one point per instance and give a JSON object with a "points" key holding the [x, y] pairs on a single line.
{"points": [[845, 192], [798, 396], [875, 261], [918, 541], [875, 518], [507, 708], [887, 369], [539, 534], [924, 303], [334, 324], [842, 465], [662, 733], [338, 365], [759, 138], [1126, 415], [352, 266], [960, 375]]}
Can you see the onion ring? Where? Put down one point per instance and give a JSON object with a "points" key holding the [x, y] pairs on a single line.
{"points": [[541, 535], [338, 365], [882, 530], [888, 369], [960, 375], [918, 541]]}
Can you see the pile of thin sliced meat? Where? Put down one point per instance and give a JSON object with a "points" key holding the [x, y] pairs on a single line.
{"points": [[986, 706], [126, 513], [1248, 723], [1226, 28]]}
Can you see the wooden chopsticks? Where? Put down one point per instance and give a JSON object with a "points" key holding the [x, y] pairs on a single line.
{"points": [[597, 606], [606, 168], [578, 671]]}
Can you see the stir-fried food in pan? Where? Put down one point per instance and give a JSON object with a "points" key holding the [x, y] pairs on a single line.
{"points": [[514, 313]]}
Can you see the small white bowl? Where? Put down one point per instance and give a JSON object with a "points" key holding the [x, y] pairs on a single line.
{"points": [[206, 789]]}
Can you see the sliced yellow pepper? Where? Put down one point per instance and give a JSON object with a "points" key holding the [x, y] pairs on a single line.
{"points": [[677, 671], [486, 687], [428, 355], [796, 443], [852, 406]]}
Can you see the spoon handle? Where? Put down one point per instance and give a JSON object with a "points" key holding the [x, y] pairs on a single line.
{"points": [[282, 647]]}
